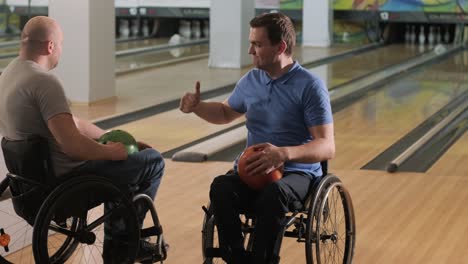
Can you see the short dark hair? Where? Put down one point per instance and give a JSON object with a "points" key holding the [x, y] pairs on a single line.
{"points": [[279, 27]]}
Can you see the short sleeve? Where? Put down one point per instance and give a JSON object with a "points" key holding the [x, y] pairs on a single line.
{"points": [[316, 102], [237, 98]]}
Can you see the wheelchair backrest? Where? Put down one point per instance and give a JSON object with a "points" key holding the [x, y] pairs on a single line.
{"points": [[30, 163], [29, 159]]}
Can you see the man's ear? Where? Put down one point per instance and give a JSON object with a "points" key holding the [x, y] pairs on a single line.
{"points": [[50, 47], [282, 46]]}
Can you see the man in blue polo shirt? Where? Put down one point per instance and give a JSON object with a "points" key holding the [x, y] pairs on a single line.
{"points": [[289, 117]]}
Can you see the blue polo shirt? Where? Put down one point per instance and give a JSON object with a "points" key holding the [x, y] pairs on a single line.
{"points": [[281, 111]]}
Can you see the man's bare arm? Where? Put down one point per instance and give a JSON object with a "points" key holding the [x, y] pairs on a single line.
{"points": [[79, 146]]}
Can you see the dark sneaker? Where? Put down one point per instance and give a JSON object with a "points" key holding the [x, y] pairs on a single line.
{"points": [[149, 252]]}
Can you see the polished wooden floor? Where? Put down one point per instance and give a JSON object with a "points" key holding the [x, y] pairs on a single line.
{"points": [[400, 218]]}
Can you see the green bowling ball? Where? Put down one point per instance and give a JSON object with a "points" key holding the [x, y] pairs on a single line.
{"points": [[120, 136]]}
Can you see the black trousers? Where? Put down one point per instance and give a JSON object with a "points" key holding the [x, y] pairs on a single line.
{"points": [[231, 197]]}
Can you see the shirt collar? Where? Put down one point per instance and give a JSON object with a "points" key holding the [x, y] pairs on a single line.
{"points": [[285, 77]]}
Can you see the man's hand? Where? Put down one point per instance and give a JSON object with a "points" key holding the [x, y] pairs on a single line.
{"points": [[266, 159], [190, 101], [116, 150]]}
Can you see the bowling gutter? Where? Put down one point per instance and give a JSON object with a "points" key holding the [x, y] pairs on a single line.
{"points": [[425, 144]]}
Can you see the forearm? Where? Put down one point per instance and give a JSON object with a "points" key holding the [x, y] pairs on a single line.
{"points": [[214, 112], [315, 151], [84, 148], [87, 128]]}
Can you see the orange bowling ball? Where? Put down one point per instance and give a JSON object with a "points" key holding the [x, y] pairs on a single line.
{"points": [[256, 182]]}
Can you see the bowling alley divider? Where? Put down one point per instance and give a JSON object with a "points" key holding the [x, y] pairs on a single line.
{"points": [[428, 138], [340, 97], [202, 151]]}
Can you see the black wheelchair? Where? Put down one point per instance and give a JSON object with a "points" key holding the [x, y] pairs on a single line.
{"points": [[325, 223], [61, 220]]}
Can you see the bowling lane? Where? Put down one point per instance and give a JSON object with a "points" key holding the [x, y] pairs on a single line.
{"points": [[140, 43], [454, 162], [342, 71], [188, 128], [147, 59], [372, 124], [307, 54], [125, 62], [192, 128], [155, 86]]}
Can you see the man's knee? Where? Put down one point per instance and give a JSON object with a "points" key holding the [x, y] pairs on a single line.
{"points": [[220, 186], [272, 200], [156, 161]]}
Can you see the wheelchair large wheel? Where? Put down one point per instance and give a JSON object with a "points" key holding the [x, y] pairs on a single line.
{"points": [[331, 229], [69, 227], [20, 234], [210, 241], [212, 254]]}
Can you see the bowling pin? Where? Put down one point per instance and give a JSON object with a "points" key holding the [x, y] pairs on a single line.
{"points": [[145, 28], [184, 29], [206, 28], [421, 37], [407, 34], [155, 27], [438, 36], [413, 35], [196, 30], [446, 35], [431, 37], [135, 27], [123, 28]]}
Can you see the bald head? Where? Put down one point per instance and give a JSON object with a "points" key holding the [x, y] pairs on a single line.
{"points": [[40, 28], [41, 40]]}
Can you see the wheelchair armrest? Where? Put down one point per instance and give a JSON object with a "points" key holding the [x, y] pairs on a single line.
{"points": [[15, 177]]}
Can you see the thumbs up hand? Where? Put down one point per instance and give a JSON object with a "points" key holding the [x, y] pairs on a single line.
{"points": [[190, 101]]}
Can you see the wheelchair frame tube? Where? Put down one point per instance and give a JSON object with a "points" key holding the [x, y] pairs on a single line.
{"points": [[154, 215]]}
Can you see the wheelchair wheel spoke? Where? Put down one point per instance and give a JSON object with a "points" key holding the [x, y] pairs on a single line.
{"points": [[334, 225]]}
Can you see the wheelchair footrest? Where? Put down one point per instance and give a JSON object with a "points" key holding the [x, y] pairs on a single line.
{"points": [[213, 252], [151, 231]]}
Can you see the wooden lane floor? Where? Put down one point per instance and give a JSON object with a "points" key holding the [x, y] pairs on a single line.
{"points": [[401, 218], [454, 162], [154, 86], [152, 58], [139, 43], [345, 70], [374, 123]]}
